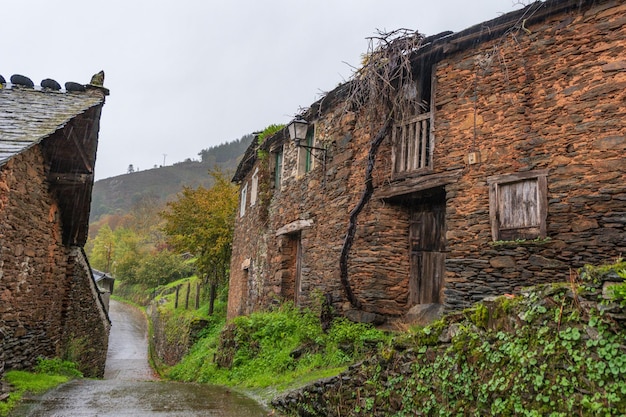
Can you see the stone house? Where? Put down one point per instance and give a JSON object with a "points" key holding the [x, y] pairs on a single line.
{"points": [[49, 303], [105, 283], [510, 174]]}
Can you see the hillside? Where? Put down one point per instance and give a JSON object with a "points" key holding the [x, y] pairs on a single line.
{"points": [[118, 194]]}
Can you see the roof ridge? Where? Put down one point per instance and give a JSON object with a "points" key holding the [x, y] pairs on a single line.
{"points": [[50, 85]]}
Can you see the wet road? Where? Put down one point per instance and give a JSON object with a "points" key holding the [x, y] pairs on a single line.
{"points": [[127, 358], [130, 388]]}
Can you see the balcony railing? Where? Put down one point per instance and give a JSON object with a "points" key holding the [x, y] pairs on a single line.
{"points": [[412, 148]]}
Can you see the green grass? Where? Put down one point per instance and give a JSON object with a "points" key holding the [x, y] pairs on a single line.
{"points": [[49, 374], [278, 349]]}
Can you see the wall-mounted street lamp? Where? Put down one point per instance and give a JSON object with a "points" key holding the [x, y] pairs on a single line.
{"points": [[297, 132]]}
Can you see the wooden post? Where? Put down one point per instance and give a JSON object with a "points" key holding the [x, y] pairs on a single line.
{"points": [[198, 295], [176, 301], [187, 297]]}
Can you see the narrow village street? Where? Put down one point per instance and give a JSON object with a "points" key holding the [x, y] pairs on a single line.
{"points": [[130, 388]]}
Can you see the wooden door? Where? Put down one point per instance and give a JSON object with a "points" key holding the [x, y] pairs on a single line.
{"points": [[291, 267], [427, 246], [298, 270]]}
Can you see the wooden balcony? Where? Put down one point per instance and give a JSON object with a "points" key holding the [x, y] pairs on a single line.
{"points": [[412, 145]]}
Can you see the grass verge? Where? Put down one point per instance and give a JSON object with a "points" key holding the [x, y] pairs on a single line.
{"points": [[48, 374]]}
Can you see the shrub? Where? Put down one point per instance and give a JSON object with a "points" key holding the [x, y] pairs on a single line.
{"points": [[57, 366], [270, 348]]}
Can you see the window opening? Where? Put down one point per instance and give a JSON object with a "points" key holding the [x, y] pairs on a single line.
{"points": [[254, 188], [305, 156], [278, 167], [518, 205], [244, 197]]}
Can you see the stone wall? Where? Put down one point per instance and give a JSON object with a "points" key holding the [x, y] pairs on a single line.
{"points": [[44, 296], [553, 98], [548, 98], [172, 335], [85, 322], [407, 371], [248, 260], [260, 266]]}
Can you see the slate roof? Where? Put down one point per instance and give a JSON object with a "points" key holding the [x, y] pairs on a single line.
{"points": [[65, 125], [99, 275], [29, 115], [435, 46]]}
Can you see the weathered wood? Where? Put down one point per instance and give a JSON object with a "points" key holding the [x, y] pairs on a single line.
{"points": [[298, 271], [411, 149], [427, 246], [517, 176], [59, 178], [433, 112], [431, 277], [420, 183], [518, 205]]}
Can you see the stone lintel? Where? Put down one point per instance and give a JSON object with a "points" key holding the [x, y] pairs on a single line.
{"points": [[295, 226], [245, 265]]}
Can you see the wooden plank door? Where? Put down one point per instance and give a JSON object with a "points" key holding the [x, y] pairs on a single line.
{"points": [[298, 270], [291, 267], [427, 246]]}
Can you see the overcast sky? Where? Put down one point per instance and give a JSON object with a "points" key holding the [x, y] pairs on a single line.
{"points": [[189, 74]]}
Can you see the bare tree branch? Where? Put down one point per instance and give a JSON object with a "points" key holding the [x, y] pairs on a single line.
{"points": [[379, 90]]}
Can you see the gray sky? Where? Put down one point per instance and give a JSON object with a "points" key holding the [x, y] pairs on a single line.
{"points": [[186, 75]]}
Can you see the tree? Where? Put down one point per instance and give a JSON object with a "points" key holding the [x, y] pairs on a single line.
{"points": [[201, 221], [159, 268], [143, 218], [128, 254], [103, 249], [117, 252]]}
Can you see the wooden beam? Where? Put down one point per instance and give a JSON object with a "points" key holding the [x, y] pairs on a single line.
{"points": [[421, 183], [79, 145], [61, 178]]}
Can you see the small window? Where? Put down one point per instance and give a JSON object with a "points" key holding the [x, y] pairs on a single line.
{"points": [[305, 157], [255, 187], [518, 205], [278, 166], [244, 198]]}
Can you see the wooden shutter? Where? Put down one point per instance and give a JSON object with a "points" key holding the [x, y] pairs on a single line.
{"points": [[518, 209], [278, 168], [518, 206], [308, 164]]}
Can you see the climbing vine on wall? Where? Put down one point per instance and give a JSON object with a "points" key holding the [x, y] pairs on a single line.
{"points": [[382, 90]]}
